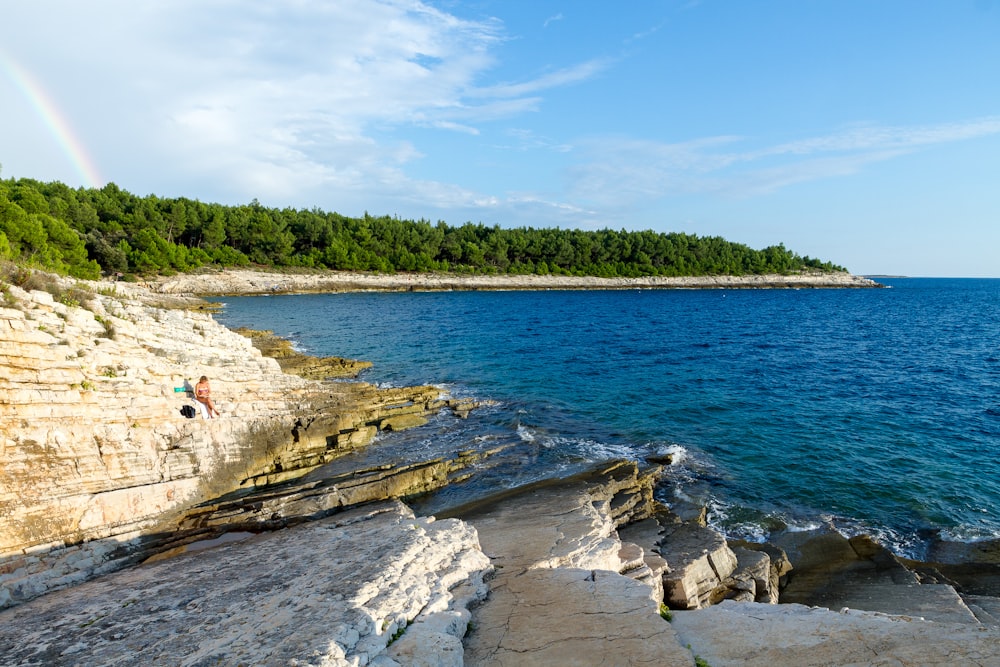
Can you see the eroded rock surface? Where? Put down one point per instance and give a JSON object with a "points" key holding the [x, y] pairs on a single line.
{"points": [[746, 634], [835, 572], [303, 365], [558, 596], [95, 455], [371, 586]]}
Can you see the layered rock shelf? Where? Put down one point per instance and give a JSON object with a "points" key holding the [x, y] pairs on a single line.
{"points": [[131, 534], [95, 455]]}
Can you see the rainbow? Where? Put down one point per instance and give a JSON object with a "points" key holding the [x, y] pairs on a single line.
{"points": [[55, 122]]}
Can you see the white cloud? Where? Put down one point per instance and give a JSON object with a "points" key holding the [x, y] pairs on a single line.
{"points": [[266, 93], [552, 19], [561, 77]]}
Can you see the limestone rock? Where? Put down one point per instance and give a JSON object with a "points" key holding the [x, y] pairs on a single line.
{"points": [[835, 572], [370, 584], [292, 361], [763, 635], [256, 282], [402, 422], [276, 506], [699, 560], [95, 456], [645, 535], [767, 564], [557, 597]]}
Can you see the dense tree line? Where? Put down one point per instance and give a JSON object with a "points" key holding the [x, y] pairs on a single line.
{"points": [[89, 232]]}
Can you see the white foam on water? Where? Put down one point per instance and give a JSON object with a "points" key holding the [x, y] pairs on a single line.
{"points": [[598, 451], [677, 453], [589, 449], [803, 527], [751, 532], [525, 433], [969, 534]]}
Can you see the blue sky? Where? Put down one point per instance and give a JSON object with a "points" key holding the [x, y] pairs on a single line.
{"points": [[866, 133]]}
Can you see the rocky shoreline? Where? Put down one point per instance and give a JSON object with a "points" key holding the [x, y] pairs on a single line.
{"points": [[131, 533], [245, 282]]}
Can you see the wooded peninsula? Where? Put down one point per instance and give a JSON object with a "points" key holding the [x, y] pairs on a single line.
{"points": [[90, 232]]}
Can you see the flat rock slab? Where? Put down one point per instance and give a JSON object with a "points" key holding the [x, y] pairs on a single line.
{"points": [[368, 586], [571, 618], [557, 597], [760, 635]]}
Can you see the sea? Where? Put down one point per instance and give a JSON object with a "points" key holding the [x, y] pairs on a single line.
{"points": [[871, 411]]}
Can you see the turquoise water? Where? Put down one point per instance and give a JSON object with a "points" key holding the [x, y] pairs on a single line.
{"points": [[874, 411]]}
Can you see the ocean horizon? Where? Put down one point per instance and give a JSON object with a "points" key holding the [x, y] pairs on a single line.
{"points": [[873, 411]]}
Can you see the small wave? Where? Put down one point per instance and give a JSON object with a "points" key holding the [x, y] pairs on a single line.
{"points": [[969, 534], [676, 453], [585, 449], [751, 532], [525, 433], [598, 451], [908, 545], [805, 527]]}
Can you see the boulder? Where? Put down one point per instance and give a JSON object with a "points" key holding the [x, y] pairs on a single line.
{"points": [[402, 422], [699, 561], [769, 581]]}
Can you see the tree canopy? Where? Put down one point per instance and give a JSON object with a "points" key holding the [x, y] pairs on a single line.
{"points": [[87, 232]]}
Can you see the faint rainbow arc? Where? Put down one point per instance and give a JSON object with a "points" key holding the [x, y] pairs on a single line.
{"points": [[55, 122]]}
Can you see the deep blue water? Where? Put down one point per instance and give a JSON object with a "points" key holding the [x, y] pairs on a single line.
{"points": [[875, 411]]}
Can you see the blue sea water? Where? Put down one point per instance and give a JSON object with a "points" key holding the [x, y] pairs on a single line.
{"points": [[872, 410]]}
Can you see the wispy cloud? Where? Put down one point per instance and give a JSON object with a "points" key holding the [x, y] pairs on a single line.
{"points": [[622, 170], [552, 19], [561, 77]]}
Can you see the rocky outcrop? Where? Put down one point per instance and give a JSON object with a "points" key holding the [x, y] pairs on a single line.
{"points": [[762, 635], [259, 561], [253, 282], [835, 572], [371, 586], [292, 361], [567, 590], [95, 456]]}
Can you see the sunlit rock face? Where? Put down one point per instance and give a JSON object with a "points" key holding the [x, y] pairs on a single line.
{"points": [[370, 583], [96, 458]]}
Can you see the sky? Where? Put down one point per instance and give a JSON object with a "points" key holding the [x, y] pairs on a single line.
{"points": [[861, 132]]}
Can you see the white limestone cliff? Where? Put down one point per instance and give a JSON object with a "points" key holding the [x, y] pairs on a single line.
{"points": [[95, 456]]}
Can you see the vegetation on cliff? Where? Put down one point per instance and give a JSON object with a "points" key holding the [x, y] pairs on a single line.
{"points": [[86, 232]]}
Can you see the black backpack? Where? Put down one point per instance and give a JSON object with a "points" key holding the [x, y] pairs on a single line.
{"points": [[188, 411]]}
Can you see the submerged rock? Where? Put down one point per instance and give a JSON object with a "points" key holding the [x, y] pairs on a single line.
{"points": [[292, 361]]}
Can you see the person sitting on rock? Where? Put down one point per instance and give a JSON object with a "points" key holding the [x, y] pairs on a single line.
{"points": [[203, 394]]}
